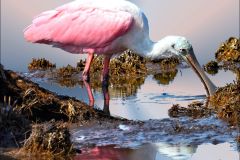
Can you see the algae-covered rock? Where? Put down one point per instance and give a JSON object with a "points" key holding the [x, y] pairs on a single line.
{"points": [[211, 67], [40, 64], [229, 51], [226, 102]]}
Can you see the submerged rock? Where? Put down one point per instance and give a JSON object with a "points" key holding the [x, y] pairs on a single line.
{"points": [[40, 64]]}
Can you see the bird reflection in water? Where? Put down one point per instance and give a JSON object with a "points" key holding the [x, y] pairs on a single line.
{"points": [[106, 96], [151, 151]]}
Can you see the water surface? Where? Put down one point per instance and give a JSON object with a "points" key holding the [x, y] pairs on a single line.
{"points": [[149, 100]]}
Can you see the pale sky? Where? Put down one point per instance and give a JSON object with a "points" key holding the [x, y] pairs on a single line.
{"points": [[206, 23]]}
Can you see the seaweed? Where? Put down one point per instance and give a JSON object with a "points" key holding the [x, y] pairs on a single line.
{"points": [[226, 102], [51, 139], [68, 71], [40, 64], [211, 67], [194, 110], [229, 51]]}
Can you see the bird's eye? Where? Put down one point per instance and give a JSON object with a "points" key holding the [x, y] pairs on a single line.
{"points": [[183, 50]]}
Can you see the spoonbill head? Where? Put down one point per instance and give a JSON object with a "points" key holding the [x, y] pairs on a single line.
{"points": [[107, 27]]}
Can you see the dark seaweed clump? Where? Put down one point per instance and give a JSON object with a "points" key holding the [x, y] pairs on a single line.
{"points": [[40, 64], [211, 67], [229, 51]]}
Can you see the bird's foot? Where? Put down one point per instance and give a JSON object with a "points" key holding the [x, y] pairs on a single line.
{"points": [[86, 76]]}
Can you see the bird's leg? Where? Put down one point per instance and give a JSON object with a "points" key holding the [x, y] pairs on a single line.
{"points": [[105, 73], [106, 99], [85, 73], [89, 92]]}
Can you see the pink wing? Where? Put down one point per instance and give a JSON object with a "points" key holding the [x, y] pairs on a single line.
{"points": [[77, 29]]}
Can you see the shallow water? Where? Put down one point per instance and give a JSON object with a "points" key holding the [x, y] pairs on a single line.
{"points": [[158, 137]]}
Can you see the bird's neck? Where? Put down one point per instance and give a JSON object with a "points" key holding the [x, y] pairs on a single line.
{"points": [[152, 49]]}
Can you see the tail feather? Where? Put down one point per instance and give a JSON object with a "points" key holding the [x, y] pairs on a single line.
{"points": [[37, 31]]}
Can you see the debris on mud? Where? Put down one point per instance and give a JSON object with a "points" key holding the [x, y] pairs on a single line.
{"points": [[226, 103], [40, 64], [165, 77], [194, 110], [229, 51], [211, 67], [50, 139]]}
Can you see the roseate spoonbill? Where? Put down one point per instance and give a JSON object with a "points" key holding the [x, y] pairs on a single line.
{"points": [[107, 27]]}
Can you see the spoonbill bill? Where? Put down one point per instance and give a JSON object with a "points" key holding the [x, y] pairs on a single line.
{"points": [[107, 27]]}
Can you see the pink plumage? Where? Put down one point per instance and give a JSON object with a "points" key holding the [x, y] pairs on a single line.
{"points": [[79, 29]]}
